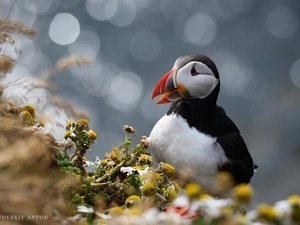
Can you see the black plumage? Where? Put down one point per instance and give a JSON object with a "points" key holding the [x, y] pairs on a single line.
{"points": [[190, 75], [210, 119]]}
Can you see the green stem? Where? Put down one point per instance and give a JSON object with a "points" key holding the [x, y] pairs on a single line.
{"points": [[112, 172], [126, 145]]}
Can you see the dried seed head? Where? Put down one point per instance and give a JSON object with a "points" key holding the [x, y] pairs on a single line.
{"points": [[129, 129], [6, 64], [145, 160], [144, 141]]}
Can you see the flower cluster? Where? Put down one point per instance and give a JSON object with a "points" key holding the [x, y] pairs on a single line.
{"points": [[125, 188], [153, 185], [25, 115]]}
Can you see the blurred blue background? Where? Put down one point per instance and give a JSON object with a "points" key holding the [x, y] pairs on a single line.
{"points": [[255, 45]]}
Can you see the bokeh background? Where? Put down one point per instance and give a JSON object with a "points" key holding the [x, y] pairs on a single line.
{"points": [[255, 45]]}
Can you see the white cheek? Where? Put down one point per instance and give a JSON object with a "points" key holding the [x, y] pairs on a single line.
{"points": [[199, 86], [202, 85]]}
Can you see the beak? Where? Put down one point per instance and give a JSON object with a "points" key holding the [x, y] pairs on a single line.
{"points": [[167, 86]]}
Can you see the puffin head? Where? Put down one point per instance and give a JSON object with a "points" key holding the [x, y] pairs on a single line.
{"points": [[193, 76]]}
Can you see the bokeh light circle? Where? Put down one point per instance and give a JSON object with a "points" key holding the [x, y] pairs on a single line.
{"points": [[145, 46], [169, 8], [42, 6], [16, 87], [229, 68], [24, 11], [295, 73], [251, 83], [148, 109], [200, 29], [282, 22], [125, 91], [96, 82], [5, 9], [64, 29], [69, 3], [125, 14], [101, 9], [87, 43]]}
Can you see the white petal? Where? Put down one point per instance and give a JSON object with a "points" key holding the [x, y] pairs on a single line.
{"points": [[84, 209]]}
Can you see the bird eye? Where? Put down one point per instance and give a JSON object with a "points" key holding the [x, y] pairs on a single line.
{"points": [[194, 71]]}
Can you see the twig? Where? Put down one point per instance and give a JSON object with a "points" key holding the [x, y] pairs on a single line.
{"points": [[112, 172]]}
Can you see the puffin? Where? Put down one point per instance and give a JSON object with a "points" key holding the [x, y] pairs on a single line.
{"points": [[196, 133]]}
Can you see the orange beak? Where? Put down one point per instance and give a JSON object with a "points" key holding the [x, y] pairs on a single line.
{"points": [[166, 86]]}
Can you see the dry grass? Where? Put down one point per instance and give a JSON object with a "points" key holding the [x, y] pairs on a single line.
{"points": [[30, 177]]}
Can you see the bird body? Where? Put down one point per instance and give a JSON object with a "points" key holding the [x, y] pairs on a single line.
{"points": [[196, 133], [173, 141]]}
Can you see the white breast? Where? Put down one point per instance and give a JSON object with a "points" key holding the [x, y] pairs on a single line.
{"points": [[174, 142]]}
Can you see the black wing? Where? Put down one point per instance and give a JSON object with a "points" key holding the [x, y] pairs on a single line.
{"points": [[240, 163]]}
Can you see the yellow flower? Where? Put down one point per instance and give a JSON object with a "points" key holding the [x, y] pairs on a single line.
{"points": [[69, 125], [151, 176], [91, 178], [135, 211], [30, 109], [115, 149], [294, 200], [92, 135], [26, 118], [112, 156], [41, 123], [266, 212], [145, 160], [130, 190], [172, 195], [242, 193], [204, 196], [176, 186], [104, 162], [193, 190], [67, 134], [116, 211], [241, 219], [133, 201], [166, 169], [137, 167], [82, 123], [223, 183], [149, 189]]}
